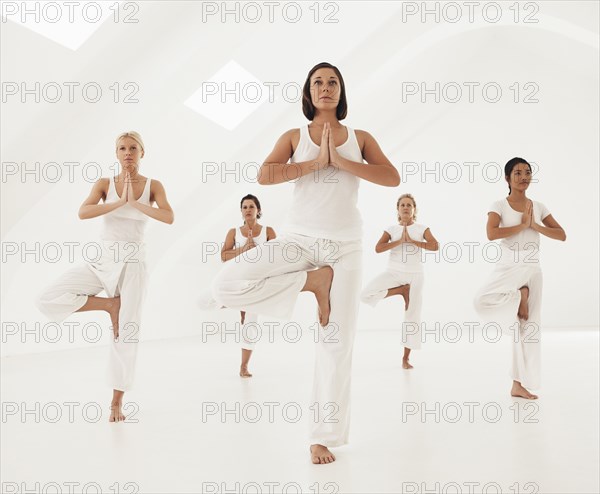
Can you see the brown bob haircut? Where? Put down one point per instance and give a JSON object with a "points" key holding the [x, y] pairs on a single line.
{"points": [[307, 106]]}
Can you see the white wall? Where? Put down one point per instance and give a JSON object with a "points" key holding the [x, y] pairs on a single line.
{"points": [[170, 52]]}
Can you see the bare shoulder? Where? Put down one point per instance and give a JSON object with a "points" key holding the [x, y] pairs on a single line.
{"points": [[99, 191], [361, 133], [363, 137], [102, 184], [292, 137], [155, 184]]}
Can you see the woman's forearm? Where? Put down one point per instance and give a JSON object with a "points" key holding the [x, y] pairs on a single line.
{"points": [[385, 175], [93, 210], [433, 245], [383, 247], [277, 173], [163, 215], [504, 232], [554, 233], [230, 254]]}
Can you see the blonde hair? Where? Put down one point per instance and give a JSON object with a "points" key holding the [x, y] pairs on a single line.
{"points": [[408, 196], [134, 135]]}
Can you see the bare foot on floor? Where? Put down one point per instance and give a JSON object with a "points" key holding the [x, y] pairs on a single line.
{"points": [[114, 305], [523, 311], [406, 364], [244, 371], [320, 455], [116, 414], [518, 391]]}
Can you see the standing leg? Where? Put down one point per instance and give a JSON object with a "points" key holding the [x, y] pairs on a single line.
{"points": [[249, 337], [500, 301], [410, 286], [526, 347], [76, 291], [333, 360], [411, 326], [123, 350]]}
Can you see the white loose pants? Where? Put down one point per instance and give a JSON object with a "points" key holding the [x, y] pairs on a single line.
{"points": [[249, 328], [250, 331], [377, 290], [268, 284], [498, 302], [70, 292]]}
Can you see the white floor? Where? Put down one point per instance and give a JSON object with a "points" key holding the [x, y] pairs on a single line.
{"points": [[176, 445]]}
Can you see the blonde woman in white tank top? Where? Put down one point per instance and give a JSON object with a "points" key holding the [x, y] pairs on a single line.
{"points": [[321, 248], [121, 270], [239, 240]]}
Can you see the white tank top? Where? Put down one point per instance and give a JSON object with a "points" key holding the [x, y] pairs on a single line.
{"points": [[125, 223], [260, 239], [324, 204]]}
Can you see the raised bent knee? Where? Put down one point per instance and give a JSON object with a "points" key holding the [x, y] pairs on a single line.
{"points": [[479, 302], [365, 297], [42, 301], [57, 306], [371, 297]]}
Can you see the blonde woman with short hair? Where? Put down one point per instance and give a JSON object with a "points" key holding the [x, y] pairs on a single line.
{"points": [[127, 202], [405, 240]]}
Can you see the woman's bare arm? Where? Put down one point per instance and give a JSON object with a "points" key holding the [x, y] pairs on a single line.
{"points": [[384, 243], [550, 229], [163, 212], [276, 169], [90, 207], [430, 242], [496, 232], [378, 170]]}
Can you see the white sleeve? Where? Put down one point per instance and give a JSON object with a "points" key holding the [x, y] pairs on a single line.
{"points": [[496, 207], [543, 211], [390, 230]]}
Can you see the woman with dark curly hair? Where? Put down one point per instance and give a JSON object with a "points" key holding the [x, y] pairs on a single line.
{"points": [[239, 240]]}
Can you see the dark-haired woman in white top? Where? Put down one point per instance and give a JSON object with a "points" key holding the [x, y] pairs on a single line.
{"points": [[512, 296], [321, 249], [239, 240]]}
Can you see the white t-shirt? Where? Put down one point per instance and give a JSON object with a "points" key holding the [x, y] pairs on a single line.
{"points": [[524, 247], [406, 257], [325, 202]]}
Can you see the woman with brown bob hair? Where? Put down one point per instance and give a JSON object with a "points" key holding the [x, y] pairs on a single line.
{"points": [[321, 248]]}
